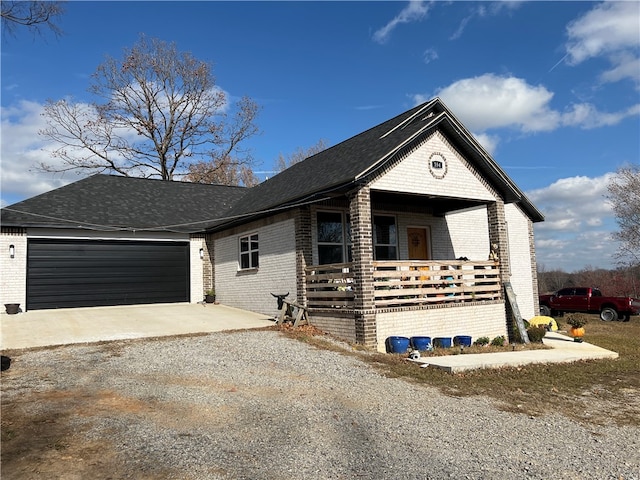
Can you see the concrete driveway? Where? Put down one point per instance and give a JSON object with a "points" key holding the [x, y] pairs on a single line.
{"points": [[40, 328]]}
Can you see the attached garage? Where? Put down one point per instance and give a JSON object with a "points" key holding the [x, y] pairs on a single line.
{"points": [[66, 273]]}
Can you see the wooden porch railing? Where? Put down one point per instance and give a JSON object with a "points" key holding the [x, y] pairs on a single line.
{"points": [[406, 283], [401, 283], [330, 286]]}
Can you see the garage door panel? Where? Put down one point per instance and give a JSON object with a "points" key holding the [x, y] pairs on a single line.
{"points": [[80, 273]]}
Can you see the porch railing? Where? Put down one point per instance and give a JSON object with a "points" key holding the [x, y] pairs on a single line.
{"points": [[330, 286], [406, 283], [401, 283]]}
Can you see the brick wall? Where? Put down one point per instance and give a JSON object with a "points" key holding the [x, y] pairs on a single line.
{"points": [[468, 231], [477, 320], [339, 324], [13, 271], [412, 174], [304, 250], [520, 258], [196, 242], [251, 289], [362, 239]]}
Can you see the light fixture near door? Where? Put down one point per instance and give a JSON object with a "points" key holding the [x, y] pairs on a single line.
{"points": [[438, 165]]}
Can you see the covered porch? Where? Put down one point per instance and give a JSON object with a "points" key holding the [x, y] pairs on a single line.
{"points": [[419, 265], [437, 298]]}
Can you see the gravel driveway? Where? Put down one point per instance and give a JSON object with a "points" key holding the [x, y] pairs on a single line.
{"points": [[257, 405]]}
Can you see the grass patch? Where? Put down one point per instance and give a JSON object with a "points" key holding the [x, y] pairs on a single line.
{"points": [[591, 391]]}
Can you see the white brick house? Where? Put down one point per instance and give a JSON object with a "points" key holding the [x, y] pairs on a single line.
{"points": [[409, 228]]}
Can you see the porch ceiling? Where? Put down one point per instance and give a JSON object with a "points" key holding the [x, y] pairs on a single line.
{"points": [[435, 205]]}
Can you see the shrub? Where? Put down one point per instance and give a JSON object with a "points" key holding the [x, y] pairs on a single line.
{"points": [[498, 341], [482, 341], [577, 320], [536, 333]]}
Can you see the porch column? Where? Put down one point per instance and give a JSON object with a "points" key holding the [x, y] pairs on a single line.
{"points": [[362, 245], [208, 263], [303, 251], [498, 237]]}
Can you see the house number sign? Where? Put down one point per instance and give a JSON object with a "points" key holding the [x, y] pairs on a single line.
{"points": [[438, 165]]}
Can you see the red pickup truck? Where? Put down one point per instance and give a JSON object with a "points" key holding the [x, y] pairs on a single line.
{"points": [[589, 300]]}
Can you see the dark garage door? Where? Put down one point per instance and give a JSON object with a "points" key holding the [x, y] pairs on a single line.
{"points": [[65, 273]]}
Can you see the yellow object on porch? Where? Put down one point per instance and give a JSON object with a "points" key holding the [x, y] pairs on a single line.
{"points": [[543, 321]]}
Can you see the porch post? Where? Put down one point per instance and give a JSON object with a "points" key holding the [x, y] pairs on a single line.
{"points": [[362, 245], [498, 237], [208, 263], [303, 251]]}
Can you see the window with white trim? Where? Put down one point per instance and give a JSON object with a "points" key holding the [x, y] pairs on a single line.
{"points": [[249, 252], [385, 238], [334, 237]]}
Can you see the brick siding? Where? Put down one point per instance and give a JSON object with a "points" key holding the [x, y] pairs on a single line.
{"points": [[476, 320], [251, 289], [13, 271]]}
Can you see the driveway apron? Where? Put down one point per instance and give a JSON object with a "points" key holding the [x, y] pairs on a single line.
{"points": [[41, 328]]}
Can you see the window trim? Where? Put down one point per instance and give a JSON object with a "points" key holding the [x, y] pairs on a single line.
{"points": [[346, 242], [375, 240], [249, 252]]}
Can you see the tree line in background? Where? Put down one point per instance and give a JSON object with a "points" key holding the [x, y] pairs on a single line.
{"points": [[624, 281]]}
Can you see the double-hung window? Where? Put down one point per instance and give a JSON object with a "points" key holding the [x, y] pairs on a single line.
{"points": [[334, 237], [249, 252], [385, 238]]}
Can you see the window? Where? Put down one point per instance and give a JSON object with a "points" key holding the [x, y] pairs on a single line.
{"points": [[334, 237], [385, 238], [249, 252]]}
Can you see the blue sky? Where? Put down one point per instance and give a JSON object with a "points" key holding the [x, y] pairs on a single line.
{"points": [[551, 89]]}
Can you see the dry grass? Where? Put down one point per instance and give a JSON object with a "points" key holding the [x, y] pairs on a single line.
{"points": [[592, 391]]}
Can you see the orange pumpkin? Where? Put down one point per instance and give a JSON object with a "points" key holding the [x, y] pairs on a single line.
{"points": [[577, 332]]}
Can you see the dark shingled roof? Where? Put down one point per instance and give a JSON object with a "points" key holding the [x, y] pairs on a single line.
{"points": [[343, 165], [106, 202]]}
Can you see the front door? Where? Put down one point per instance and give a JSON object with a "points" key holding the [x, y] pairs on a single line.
{"points": [[418, 239]]}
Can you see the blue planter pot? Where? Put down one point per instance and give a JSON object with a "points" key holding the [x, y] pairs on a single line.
{"points": [[420, 343], [462, 340], [397, 344], [442, 342]]}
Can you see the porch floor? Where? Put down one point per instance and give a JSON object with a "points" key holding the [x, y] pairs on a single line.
{"points": [[563, 350]]}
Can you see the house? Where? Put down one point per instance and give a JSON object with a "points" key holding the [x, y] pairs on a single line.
{"points": [[409, 228]]}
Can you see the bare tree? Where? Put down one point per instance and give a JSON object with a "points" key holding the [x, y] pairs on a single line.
{"points": [[35, 15], [551, 280], [299, 155], [222, 171], [624, 194], [158, 111]]}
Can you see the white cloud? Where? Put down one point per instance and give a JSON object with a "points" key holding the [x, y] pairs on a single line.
{"points": [[578, 223], [22, 149], [429, 55], [610, 29], [483, 9], [492, 101], [489, 142], [414, 12]]}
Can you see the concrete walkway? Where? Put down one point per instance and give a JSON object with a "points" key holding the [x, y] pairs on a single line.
{"points": [[40, 328], [563, 349]]}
